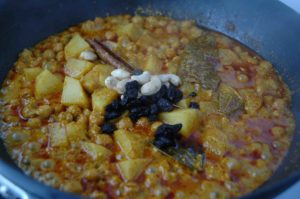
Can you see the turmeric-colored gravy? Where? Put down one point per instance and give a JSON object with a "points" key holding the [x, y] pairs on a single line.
{"points": [[53, 104]]}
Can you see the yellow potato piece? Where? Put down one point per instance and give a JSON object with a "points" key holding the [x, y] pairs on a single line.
{"points": [[77, 68], [131, 144], [47, 83], [103, 97], [131, 169], [58, 137], [189, 118], [75, 46], [73, 93], [97, 152]]}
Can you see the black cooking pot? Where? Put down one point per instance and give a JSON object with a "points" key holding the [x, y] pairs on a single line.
{"points": [[266, 26]]}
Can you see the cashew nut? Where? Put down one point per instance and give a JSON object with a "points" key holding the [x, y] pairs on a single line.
{"points": [[164, 78], [142, 78], [88, 55], [111, 82], [175, 80], [151, 87], [120, 74], [121, 85]]}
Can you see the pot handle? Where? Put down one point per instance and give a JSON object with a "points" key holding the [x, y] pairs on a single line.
{"points": [[8, 190]]}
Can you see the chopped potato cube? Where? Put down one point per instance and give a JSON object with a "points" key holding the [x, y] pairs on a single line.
{"points": [[215, 141], [75, 46], [31, 73], [90, 81], [103, 97], [58, 137], [131, 144], [133, 31], [189, 118], [47, 83], [104, 72], [76, 131], [153, 63], [73, 93], [95, 78], [131, 169], [77, 68], [97, 152]]}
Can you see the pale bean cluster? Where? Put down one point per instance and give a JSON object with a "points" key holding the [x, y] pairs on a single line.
{"points": [[151, 84]]}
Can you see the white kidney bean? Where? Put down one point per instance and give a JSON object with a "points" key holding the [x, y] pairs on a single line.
{"points": [[121, 85], [111, 82], [175, 80], [142, 78], [120, 74], [151, 87], [164, 78], [88, 55]]}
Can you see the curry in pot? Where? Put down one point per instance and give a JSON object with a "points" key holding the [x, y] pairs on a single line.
{"points": [[145, 107]]}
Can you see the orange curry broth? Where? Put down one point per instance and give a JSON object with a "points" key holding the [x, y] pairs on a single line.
{"points": [[241, 150]]}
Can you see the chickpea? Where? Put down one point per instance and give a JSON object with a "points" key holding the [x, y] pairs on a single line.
{"points": [[124, 123], [91, 174], [60, 56], [48, 54], [74, 110], [72, 186], [34, 122], [96, 118], [137, 19], [109, 35], [58, 47], [172, 28], [44, 111], [242, 78], [65, 117], [143, 122]]}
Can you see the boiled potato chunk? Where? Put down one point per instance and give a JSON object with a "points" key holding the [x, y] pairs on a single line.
{"points": [[73, 93], [103, 97], [187, 117], [215, 141], [97, 152], [153, 63], [104, 72], [131, 169], [77, 68], [58, 137], [131, 144], [90, 81], [133, 31], [76, 131], [75, 46], [31, 73], [47, 83]]}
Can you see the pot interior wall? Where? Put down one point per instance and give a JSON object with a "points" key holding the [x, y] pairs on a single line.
{"points": [[268, 27]]}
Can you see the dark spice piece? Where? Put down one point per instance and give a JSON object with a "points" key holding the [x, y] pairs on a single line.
{"points": [[174, 94], [165, 105], [194, 105], [112, 115], [193, 94], [108, 128], [137, 72]]}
